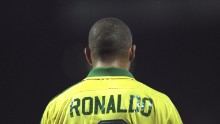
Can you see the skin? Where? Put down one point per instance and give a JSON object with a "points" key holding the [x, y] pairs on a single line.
{"points": [[123, 63]]}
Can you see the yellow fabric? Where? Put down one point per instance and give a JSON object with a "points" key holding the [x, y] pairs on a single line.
{"points": [[100, 99]]}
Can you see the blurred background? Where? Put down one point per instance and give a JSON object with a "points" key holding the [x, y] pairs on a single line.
{"points": [[42, 43]]}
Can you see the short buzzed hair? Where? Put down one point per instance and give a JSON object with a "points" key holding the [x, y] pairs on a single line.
{"points": [[109, 38]]}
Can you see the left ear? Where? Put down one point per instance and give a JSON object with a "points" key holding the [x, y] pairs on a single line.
{"points": [[132, 52], [87, 53]]}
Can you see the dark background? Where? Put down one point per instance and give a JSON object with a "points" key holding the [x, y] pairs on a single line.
{"points": [[42, 44]]}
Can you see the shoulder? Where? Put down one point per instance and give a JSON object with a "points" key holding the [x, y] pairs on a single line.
{"points": [[163, 105], [59, 103], [66, 93], [64, 96], [149, 90], [157, 96]]}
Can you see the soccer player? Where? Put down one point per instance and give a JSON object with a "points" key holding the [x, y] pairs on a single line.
{"points": [[110, 94]]}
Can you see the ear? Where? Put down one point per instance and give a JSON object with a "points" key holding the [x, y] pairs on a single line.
{"points": [[87, 53], [132, 51]]}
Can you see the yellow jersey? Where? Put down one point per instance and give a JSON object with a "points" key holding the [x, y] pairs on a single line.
{"points": [[110, 96]]}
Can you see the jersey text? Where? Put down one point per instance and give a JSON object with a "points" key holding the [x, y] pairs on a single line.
{"points": [[95, 105]]}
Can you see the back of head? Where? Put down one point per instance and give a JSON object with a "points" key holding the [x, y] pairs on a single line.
{"points": [[109, 39]]}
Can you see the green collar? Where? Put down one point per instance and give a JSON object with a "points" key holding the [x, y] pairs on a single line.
{"points": [[109, 71]]}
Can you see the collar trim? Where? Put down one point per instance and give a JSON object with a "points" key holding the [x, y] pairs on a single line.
{"points": [[109, 71]]}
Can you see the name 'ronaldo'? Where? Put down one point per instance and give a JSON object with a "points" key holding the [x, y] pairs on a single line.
{"points": [[106, 104]]}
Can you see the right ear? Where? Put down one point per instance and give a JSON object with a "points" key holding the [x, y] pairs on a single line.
{"points": [[132, 51], [87, 53]]}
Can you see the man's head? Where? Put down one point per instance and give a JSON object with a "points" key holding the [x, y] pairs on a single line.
{"points": [[110, 40]]}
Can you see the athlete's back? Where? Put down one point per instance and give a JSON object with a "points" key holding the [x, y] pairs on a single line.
{"points": [[107, 96], [110, 94]]}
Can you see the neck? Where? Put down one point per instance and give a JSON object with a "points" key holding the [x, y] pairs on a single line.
{"points": [[117, 64]]}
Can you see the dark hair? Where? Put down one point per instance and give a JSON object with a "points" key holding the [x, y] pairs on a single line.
{"points": [[109, 38]]}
